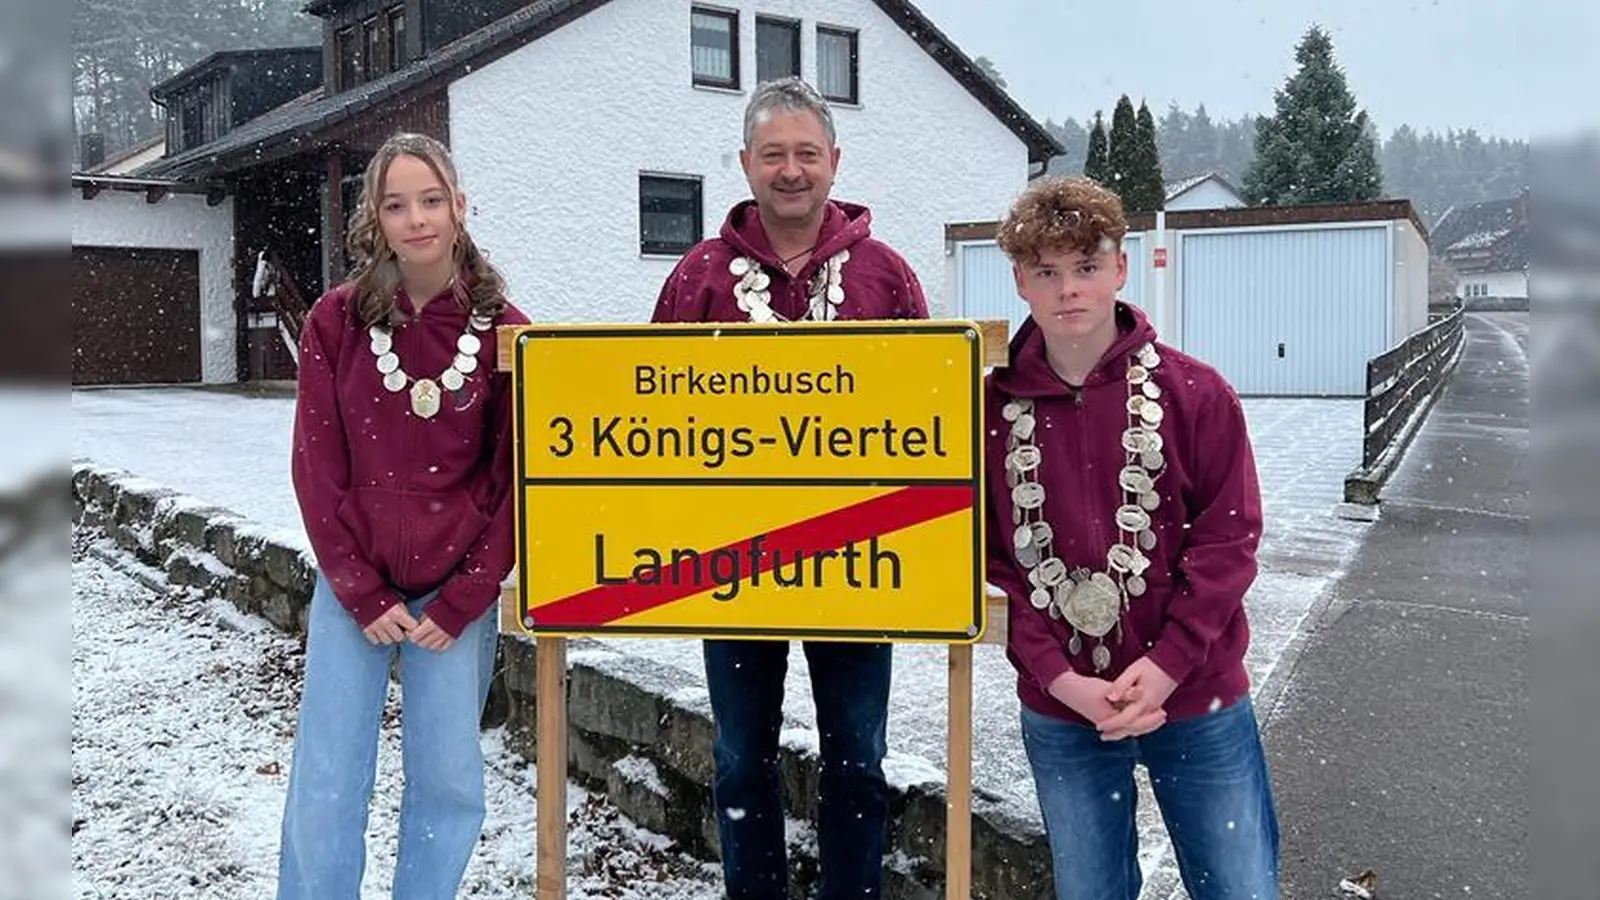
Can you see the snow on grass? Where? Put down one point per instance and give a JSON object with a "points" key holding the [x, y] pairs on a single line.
{"points": [[183, 718]]}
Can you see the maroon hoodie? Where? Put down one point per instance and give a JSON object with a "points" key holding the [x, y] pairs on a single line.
{"points": [[396, 505], [1191, 620], [877, 282]]}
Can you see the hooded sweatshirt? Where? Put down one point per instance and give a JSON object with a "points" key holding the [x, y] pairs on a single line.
{"points": [[396, 505], [1191, 620], [877, 281]]}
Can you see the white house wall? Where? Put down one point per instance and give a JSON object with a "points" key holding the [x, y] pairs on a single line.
{"points": [[1495, 284], [178, 222], [552, 138], [1410, 279]]}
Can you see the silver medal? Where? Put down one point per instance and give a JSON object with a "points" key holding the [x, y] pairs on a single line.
{"points": [[1052, 572], [1120, 557], [1151, 390], [1102, 658], [1022, 428], [452, 380], [1011, 410], [1029, 557], [835, 294], [1147, 540], [381, 344], [1043, 534], [1148, 357], [1149, 500], [1151, 414], [388, 363], [1152, 460], [739, 266], [1136, 586], [466, 365], [395, 381], [1136, 403], [481, 324], [760, 281], [425, 398], [1024, 459], [1132, 518], [1028, 495], [469, 344], [1040, 597], [1135, 480], [1022, 537]]}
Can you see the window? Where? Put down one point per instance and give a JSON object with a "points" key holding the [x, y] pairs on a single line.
{"points": [[372, 59], [777, 49], [348, 49], [397, 37], [838, 65], [714, 47], [669, 214]]}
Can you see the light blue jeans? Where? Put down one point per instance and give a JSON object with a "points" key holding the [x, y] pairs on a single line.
{"points": [[323, 852], [1209, 775]]}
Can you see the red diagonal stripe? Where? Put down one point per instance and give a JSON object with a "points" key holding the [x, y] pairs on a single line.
{"points": [[831, 530]]}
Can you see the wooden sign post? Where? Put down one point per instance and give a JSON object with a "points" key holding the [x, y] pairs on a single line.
{"points": [[838, 462]]}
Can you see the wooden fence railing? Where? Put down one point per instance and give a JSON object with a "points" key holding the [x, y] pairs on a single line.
{"points": [[1401, 383]]}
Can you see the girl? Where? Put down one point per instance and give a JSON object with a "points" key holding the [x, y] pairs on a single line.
{"points": [[403, 471]]}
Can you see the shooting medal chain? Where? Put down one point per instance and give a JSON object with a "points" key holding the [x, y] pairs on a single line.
{"points": [[425, 396], [824, 293], [1092, 602]]}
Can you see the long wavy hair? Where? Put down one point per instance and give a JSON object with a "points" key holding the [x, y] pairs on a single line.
{"points": [[375, 277]]}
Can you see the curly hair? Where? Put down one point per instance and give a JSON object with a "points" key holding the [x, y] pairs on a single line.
{"points": [[375, 275], [1059, 213]]}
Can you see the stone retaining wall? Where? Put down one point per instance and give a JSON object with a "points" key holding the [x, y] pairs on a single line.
{"points": [[634, 732]]}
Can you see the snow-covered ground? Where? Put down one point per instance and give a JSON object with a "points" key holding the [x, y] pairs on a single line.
{"points": [[182, 729], [232, 451]]}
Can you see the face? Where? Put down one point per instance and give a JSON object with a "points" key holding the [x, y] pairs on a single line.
{"points": [[419, 213], [790, 165], [1073, 295]]}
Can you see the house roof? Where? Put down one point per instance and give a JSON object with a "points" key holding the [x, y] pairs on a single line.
{"points": [[1491, 236], [297, 124], [215, 61], [127, 153], [1178, 187]]}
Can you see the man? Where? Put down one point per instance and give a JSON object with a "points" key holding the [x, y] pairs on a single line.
{"points": [[1124, 516], [788, 255]]}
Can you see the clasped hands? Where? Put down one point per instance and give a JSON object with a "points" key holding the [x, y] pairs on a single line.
{"points": [[397, 624], [1128, 707]]}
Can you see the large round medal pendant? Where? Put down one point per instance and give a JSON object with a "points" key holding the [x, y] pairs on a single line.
{"points": [[425, 398], [1093, 606]]}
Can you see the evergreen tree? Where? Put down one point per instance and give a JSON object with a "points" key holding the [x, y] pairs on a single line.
{"points": [[1123, 142], [1097, 165], [1149, 192], [990, 70], [1317, 147]]}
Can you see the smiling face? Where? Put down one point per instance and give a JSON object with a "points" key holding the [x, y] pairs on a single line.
{"points": [[790, 165], [418, 213], [1072, 294]]}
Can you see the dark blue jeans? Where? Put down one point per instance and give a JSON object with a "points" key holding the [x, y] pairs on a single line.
{"points": [[850, 686], [1210, 779]]}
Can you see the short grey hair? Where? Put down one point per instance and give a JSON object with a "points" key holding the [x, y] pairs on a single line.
{"points": [[790, 95]]}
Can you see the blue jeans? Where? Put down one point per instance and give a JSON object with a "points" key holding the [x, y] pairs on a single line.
{"points": [[323, 851], [850, 686], [1210, 779]]}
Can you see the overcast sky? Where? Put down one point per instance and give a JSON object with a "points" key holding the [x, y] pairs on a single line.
{"points": [[1509, 68]]}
